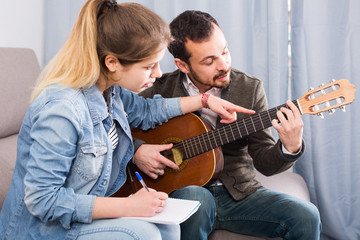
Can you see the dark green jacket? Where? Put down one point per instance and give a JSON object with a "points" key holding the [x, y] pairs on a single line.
{"points": [[258, 149]]}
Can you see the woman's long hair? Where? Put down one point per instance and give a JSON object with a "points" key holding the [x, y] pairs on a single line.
{"points": [[129, 31]]}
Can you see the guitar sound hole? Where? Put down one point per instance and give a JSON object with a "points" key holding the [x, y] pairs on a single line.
{"points": [[178, 159], [182, 166]]}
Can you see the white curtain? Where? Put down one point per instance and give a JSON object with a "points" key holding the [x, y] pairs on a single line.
{"points": [[256, 32], [326, 45], [60, 16]]}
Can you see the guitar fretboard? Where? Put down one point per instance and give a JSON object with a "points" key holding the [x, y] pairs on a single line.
{"points": [[231, 132]]}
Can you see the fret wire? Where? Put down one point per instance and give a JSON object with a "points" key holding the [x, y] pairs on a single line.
{"points": [[209, 140], [186, 149], [253, 124], [269, 116], [196, 145], [247, 133], [262, 124], [201, 144], [248, 121], [218, 130], [214, 139], [244, 128], [227, 139], [203, 136], [192, 147], [237, 125], [232, 133], [236, 134]]}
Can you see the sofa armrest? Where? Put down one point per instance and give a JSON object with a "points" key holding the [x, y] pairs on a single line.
{"points": [[286, 182]]}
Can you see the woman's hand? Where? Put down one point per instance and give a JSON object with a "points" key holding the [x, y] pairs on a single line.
{"points": [[226, 110], [140, 204], [147, 204]]}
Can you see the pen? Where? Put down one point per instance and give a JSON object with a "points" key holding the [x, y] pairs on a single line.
{"points": [[141, 181]]}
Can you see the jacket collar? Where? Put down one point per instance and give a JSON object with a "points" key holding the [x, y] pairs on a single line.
{"points": [[96, 103]]}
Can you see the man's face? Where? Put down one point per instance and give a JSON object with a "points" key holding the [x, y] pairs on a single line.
{"points": [[210, 61]]}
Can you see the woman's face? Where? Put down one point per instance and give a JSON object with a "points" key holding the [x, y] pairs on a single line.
{"points": [[138, 76]]}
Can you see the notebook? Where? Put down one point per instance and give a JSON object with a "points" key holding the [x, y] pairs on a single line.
{"points": [[176, 211]]}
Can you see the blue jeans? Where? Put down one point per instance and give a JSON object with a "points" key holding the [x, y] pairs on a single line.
{"points": [[126, 229], [264, 213], [200, 224]]}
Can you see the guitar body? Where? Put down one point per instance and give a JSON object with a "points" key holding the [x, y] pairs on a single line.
{"points": [[198, 170]]}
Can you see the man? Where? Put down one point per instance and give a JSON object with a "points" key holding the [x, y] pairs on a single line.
{"points": [[236, 202]]}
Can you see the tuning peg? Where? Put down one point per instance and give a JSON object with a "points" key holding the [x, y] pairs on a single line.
{"points": [[338, 100], [331, 111], [321, 115]]}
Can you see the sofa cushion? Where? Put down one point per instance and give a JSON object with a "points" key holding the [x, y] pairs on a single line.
{"points": [[7, 161], [18, 70]]}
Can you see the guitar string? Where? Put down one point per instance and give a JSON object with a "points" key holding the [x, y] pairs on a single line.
{"points": [[256, 121]]}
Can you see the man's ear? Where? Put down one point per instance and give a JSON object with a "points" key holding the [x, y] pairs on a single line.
{"points": [[183, 66], [111, 62]]}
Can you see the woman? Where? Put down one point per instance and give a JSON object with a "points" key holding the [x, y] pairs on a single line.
{"points": [[75, 140]]}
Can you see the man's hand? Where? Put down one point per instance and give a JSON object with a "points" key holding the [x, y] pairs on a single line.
{"points": [[290, 130], [149, 159]]}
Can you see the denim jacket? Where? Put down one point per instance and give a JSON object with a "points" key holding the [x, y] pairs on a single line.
{"points": [[65, 158]]}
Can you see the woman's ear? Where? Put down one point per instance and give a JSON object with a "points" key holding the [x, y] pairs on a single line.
{"points": [[112, 63], [183, 66]]}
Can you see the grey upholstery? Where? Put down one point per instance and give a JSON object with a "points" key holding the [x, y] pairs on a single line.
{"points": [[19, 69]]}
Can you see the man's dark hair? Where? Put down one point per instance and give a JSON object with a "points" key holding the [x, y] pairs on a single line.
{"points": [[189, 25]]}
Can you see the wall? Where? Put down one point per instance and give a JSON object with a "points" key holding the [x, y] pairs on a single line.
{"points": [[22, 24]]}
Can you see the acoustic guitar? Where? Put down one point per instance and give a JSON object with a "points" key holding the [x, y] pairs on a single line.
{"points": [[197, 148]]}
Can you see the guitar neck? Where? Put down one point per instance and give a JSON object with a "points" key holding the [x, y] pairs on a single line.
{"points": [[231, 132]]}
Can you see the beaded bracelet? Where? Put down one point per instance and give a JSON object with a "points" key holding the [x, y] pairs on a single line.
{"points": [[204, 99]]}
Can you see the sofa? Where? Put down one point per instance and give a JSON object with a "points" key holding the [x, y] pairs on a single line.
{"points": [[19, 69]]}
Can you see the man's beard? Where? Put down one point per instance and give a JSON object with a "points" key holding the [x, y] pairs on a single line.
{"points": [[214, 83]]}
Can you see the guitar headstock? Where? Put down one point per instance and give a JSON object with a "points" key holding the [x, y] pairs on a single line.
{"points": [[327, 97]]}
